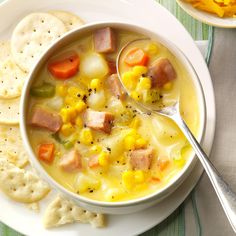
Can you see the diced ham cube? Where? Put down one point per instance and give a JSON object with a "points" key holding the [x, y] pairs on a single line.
{"points": [[45, 119], [140, 159], [93, 161], [99, 120], [161, 72], [105, 40], [112, 66], [116, 87], [71, 161]]}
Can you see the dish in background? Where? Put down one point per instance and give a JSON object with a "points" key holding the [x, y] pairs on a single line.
{"points": [[208, 18]]}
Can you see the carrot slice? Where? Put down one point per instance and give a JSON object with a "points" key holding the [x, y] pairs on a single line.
{"points": [[136, 56], [64, 67], [163, 162], [46, 152]]}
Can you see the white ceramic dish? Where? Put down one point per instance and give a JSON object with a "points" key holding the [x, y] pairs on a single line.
{"points": [[210, 19], [130, 206], [157, 19]]}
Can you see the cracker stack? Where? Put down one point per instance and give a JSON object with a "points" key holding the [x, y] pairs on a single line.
{"points": [[30, 38]]}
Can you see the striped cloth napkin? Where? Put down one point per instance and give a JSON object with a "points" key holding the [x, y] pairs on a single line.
{"points": [[174, 225]]}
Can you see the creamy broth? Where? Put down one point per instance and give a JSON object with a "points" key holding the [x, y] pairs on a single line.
{"points": [[113, 178]]}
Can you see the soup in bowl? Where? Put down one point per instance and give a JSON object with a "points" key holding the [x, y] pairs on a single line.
{"points": [[89, 139]]}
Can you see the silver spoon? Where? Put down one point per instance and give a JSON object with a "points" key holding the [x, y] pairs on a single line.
{"points": [[225, 194]]}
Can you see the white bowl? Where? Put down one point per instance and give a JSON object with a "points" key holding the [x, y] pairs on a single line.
{"points": [[112, 207], [210, 19]]}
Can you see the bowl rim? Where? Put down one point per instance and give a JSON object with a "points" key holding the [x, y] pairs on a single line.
{"points": [[207, 18], [60, 43]]}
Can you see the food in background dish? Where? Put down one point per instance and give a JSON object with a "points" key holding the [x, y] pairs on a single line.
{"points": [[222, 8], [90, 137]]}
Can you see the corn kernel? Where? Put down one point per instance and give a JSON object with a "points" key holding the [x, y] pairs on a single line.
{"points": [[103, 159], [179, 161], [95, 84], [75, 92], [86, 136], [152, 48], [129, 79], [128, 179], [136, 95], [71, 101], [139, 176], [95, 149], [133, 132], [144, 83], [121, 160], [129, 75], [141, 187], [135, 123], [67, 129], [61, 90], [151, 96], [139, 70], [140, 143], [129, 142], [79, 122], [80, 106], [167, 86], [67, 114]]}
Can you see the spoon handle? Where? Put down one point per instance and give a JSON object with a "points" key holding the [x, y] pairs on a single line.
{"points": [[225, 194]]}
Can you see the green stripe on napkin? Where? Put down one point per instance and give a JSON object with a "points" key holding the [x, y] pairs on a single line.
{"points": [[6, 231], [174, 225], [195, 212]]}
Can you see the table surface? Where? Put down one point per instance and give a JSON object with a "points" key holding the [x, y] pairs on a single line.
{"points": [[174, 225]]}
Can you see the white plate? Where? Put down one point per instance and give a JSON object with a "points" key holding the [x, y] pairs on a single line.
{"points": [[207, 18], [150, 15]]}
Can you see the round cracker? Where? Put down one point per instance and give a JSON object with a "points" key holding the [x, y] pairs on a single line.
{"points": [[32, 36], [5, 50], [11, 76], [11, 79], [21, 185], [71, 21], [11, 145], [9, 111]]}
